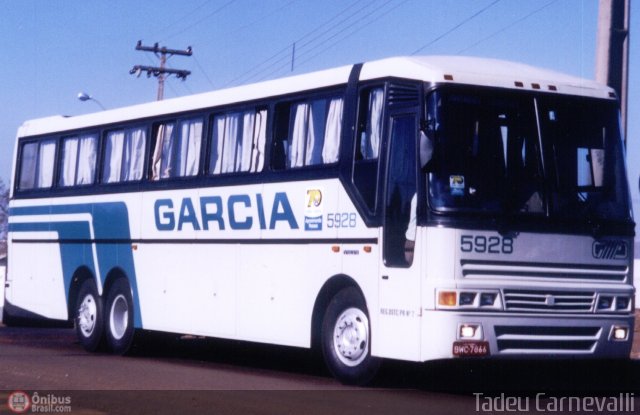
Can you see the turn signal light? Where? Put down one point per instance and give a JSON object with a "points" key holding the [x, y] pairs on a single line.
{"points": [[447, 298]]}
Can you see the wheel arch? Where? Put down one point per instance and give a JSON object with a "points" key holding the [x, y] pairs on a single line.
{"points": [[80, 275], [113, 275], [330, 288]]}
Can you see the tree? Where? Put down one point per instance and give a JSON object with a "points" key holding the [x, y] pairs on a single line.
{"points": [[4, 216]]}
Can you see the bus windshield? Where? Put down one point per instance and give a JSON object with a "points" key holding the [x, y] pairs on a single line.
{"points": [[510, 153]]}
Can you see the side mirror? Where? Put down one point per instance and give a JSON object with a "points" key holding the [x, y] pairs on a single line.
{"points": [[426, 150]]}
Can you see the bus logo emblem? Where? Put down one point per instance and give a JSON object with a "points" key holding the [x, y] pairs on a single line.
{"points": [[313, 210], [610, 250], [550, 300]]}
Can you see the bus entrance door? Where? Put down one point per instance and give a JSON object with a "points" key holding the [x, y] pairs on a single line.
{"points": [[399, 284]]}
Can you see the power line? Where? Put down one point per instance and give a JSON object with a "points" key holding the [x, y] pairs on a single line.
{"points": [[261, 18], [330, 28], [255, 68], [285, 58], [184, 16], [362, 23], [197, 22], [285, 50], [456, 27], [204, 72], [355, 29], [509, 26], [283, 54]]}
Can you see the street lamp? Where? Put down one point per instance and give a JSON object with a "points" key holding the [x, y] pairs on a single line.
{"points": [[83, 96]]}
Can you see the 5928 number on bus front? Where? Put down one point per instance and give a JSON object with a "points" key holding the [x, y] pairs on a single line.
{"points": [[486, 245]]}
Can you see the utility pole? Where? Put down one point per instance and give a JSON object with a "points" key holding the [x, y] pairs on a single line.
{"points": [[159, 72], [612, 50]]}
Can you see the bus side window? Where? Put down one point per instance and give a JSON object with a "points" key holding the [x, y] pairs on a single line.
{"points": [[124, 155], [36, 165], [237, 142], [307, 133], [78, 160], [177, 149], [369, 136]]}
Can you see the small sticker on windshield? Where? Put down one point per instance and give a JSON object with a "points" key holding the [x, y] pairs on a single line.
{"points": [[456, 183]]}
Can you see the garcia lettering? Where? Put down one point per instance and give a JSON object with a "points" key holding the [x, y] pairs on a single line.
{"points": [[238, 212]]}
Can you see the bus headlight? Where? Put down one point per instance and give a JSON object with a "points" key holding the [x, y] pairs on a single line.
{"points": [[469, 300], [614, 303], [470, 331], [623, 303], [619, 333], [488, 299]]}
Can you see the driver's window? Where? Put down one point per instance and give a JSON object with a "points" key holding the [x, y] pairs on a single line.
{"points": [[368, 141]]}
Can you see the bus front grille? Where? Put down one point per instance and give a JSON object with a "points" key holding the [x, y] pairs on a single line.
{"points": [[542, 271], [540, 301], [539, 340]]}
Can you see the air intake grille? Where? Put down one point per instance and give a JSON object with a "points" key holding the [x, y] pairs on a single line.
{"points": [[542, 271], [549, 301], [556, 340], [403, 95]]}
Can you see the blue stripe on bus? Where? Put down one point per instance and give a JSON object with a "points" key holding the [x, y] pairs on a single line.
{"points": [[110, 222]]}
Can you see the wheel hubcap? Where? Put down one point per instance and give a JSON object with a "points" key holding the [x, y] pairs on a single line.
{"points": [[119, 317], [351, 337], [87, 315]]}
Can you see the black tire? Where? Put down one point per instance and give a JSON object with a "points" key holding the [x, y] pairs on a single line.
{"points": [[119, 317], [89, 317], [346, 339]]}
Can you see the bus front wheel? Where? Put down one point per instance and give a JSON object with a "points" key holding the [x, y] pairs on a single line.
{"points": [[346, 339], [119, 317], [89, 320]]}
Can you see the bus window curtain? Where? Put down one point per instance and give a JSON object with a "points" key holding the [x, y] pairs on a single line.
{"points": [[238, 141], [257, 150], [162, 166], [134, 154], [225, 138], [333, 131], [374, 125], [113, 159], [46, 162], [88, 151], [243, 161], [300, 135], [69, 161], [157, 153], [190, 141]]}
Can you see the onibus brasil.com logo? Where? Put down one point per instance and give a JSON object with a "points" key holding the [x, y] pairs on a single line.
{"points": [[20, 402]]}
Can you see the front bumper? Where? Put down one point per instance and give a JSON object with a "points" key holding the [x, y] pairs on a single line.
{"points": [[527, 335]]}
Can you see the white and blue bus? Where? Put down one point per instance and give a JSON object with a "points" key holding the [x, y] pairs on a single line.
{"points": [[412, 208]]}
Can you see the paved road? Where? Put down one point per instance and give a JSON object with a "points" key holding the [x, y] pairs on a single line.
{"points": [[172, 375]]}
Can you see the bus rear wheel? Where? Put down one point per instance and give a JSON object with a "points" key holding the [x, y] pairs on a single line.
{"points": [[119, 317], [346, 339], [89, 319]]}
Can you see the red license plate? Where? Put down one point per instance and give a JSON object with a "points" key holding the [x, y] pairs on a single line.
{"points": [[470, 348]]}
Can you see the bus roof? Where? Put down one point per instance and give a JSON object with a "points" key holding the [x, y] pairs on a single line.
{"points": [[434, 69]]}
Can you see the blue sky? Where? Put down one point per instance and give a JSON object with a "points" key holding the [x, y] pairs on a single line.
{"points": [[51, 50]]}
